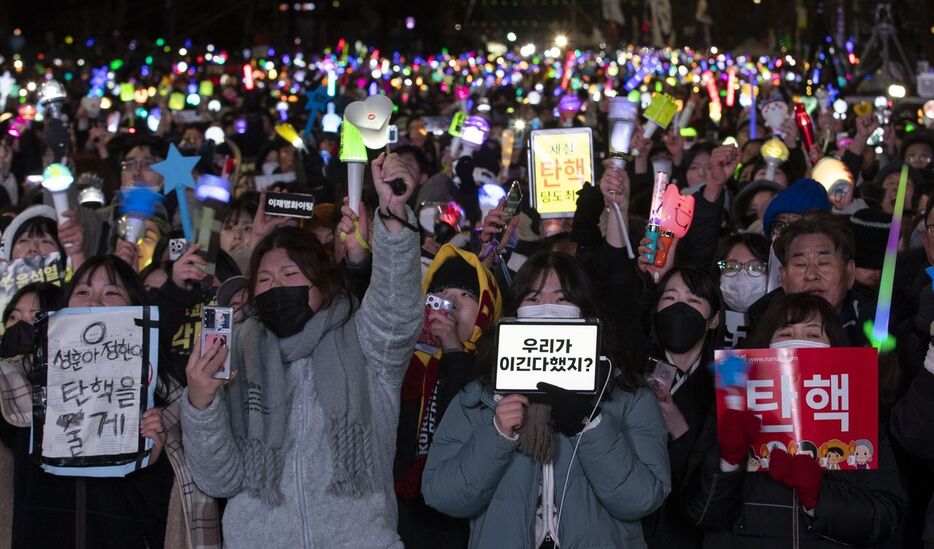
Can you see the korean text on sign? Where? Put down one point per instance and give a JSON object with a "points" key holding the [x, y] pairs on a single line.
{"points": [[565, 355], [562, 161], [99, 374], [818, 401]]}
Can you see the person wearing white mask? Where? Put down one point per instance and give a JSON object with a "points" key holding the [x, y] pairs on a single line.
{"points": [[508, 462], [742, 260], [797, 503]]}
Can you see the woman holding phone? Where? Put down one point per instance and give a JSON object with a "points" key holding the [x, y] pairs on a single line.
{"points": [[301, 440]]}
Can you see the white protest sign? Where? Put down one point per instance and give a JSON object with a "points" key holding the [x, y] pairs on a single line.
{"points": [[563, 354], [101, 371]]}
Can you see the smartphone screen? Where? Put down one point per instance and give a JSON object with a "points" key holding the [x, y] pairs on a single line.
{"points": [[217, 327]]}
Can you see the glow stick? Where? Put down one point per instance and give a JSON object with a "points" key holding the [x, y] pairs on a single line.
{"points": [[730, 92], [568, 64], [653, 228], [878, 332]]}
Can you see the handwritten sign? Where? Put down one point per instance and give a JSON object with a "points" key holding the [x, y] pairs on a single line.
{"points": [[100, 369], [565, 354], [21, 272], [562, 161], [820, 402]]}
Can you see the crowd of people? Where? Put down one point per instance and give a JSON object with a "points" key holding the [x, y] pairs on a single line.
{"points": [[355, 416]]}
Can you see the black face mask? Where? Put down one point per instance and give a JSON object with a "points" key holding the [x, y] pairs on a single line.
{"points": [[17, 340], [284, 309], [679, 327]]}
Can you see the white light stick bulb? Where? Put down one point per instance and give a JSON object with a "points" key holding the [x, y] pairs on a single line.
{"points": [[56, 179]]}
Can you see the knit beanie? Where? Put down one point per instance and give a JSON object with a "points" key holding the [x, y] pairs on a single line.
{"points": [[805, 194], [455, 273], [871, 232]]}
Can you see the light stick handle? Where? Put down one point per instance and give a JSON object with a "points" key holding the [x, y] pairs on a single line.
{"points": [[770, 169], [652, 233], [649, 129], [355, 185], [183, 212], [60, 199], [666, 238], [624, 229]]}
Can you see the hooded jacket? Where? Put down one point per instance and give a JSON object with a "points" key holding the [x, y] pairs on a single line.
{"points": [[433, 379]]}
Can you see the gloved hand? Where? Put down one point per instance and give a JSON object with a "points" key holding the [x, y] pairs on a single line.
{"points": [[800, 472], [586, 231], [569, 410], [737, 433], [463, 171]]}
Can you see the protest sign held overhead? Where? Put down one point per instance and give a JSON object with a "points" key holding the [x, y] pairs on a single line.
{"points": [[560, 161], [99, 368]]}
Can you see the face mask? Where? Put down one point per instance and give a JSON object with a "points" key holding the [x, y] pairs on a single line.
{"points": [[741, 290], [284, 309], [551, 310], [799, 344], [679, 327], [269, 167], [17, 340]]}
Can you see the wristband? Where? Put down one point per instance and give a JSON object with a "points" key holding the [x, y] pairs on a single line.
{"points": [[390, 215]]}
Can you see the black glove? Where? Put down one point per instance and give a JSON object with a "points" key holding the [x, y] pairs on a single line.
{"points": [[569, 410], [464, 172], [590, 203]]}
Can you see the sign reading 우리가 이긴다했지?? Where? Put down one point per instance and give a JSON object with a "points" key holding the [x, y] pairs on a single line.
{"points": [[561, 162], [822, 402], [100, 370], [565, 354]]}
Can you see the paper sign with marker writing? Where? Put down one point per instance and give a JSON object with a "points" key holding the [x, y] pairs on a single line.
{"points": [[100, 369], [565, 354], [819, 402], [562, 161]]}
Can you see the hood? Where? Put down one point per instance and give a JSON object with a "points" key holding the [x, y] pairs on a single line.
{"points": [[489, 299], [6, 241]]}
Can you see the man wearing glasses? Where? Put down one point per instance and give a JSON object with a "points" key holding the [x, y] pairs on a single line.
{"points": [[136, 167]]}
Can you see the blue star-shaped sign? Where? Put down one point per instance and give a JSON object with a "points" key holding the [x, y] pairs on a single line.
{"points": [[176, 171], [316, 100]]}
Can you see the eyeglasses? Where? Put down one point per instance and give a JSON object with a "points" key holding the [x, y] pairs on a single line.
{"points": [[135, 164], [732, 268], [923, 159]]}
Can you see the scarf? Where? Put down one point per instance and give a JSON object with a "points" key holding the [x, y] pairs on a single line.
{"points": [[259, 413]]}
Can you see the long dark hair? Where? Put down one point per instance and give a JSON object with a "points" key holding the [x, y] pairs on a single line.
{"points": [[704, 285], [311, 257], [579, 291], [118, 272], [793, 309], [48, 295]]}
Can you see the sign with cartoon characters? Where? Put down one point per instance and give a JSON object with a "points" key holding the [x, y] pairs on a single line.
{"points": [[820, 402]]}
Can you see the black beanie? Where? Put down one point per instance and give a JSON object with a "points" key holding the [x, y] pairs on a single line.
{"points": [[455, 273], [871, 233]]}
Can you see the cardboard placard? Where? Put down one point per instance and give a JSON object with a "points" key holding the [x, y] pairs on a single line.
{"points": [[99, 367], [289, 205], [563, 352], [824, 402], [561, 162]]}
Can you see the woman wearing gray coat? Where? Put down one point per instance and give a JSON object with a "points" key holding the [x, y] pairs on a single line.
{"points": [[301, 440]]}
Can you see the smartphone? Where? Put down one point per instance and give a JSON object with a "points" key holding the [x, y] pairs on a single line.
{"points": [[177, 247], [433, 302], [661, 375], [513, 200], [393, 133], [217, 325]]}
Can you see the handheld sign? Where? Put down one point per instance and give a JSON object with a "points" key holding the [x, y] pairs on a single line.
{"points": [[97, 369], [290, 205], [561, 161], [21, 272], [563, 352], [823, 402]]}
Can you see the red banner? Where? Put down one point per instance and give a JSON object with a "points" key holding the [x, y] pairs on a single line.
{"points": [[821, 402]]}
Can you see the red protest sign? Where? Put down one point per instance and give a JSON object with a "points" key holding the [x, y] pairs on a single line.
{"points": [[821, 402]]}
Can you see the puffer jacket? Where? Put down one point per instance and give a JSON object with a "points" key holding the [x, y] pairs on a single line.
{"points": [[620, 474]]}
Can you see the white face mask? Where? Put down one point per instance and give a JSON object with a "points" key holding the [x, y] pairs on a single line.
{"points": [[551, 310], [798, 344], [741, 290], [269, 167]]}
